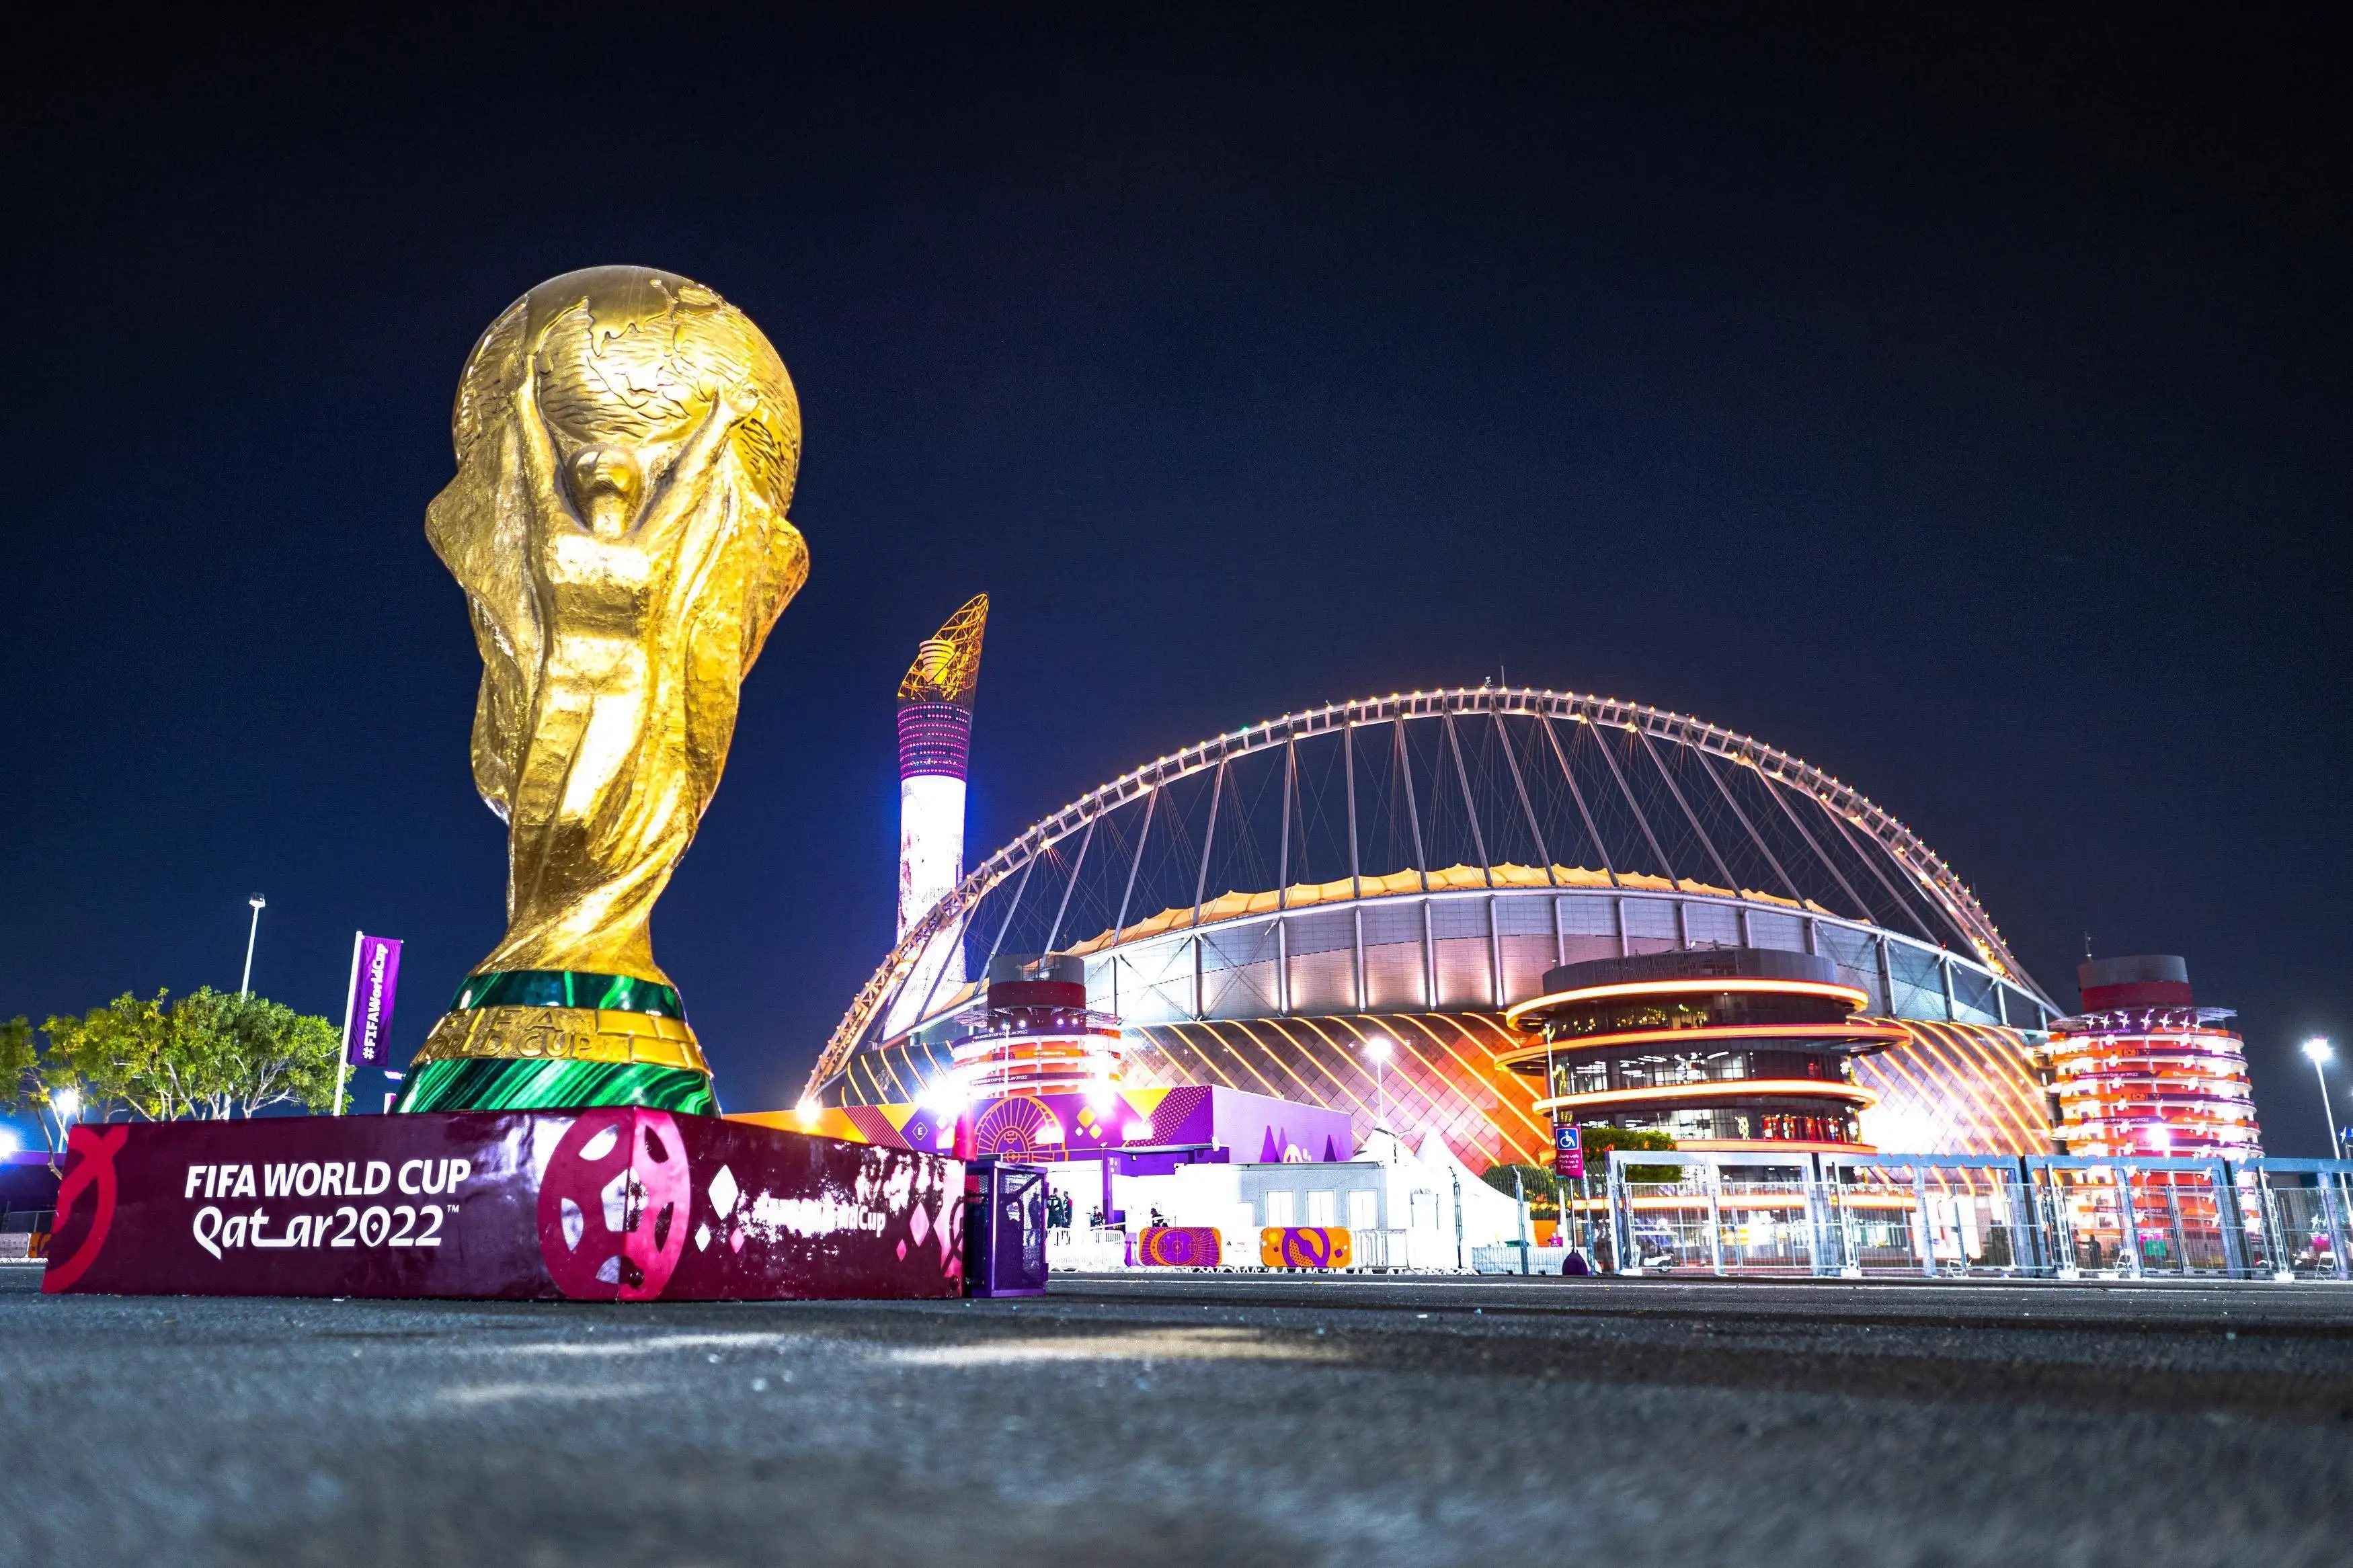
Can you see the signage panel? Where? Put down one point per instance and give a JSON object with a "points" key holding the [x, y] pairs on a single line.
{"points": [[615, 1203]]}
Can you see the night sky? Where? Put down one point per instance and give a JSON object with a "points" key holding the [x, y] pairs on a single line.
{"points": [[1960, 404]]}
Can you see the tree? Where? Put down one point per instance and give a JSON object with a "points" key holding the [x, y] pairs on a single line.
{"points": [[209, 1056], [20, 1069], [268, 1054], [1543, 1187], [106, 1056], [1596, 1142]]}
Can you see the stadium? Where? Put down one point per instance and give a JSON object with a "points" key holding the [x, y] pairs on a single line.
{"points": [[1259, 908]]}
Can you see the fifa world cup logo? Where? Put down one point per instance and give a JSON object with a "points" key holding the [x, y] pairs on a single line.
{"points": [[627, 442]]}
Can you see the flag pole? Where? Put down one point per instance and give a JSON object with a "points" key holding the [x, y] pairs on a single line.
{"points": [[344, 1046]]}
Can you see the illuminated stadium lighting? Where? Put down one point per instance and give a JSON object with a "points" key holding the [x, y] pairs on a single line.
{"points": [[1259, 907], [808, 1111], [1851, 995], [1859, 1033], [1811, 1088], [2317, 1051]]}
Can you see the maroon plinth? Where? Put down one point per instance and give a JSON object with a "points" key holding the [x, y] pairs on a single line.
{"points": [[619, 1204]]}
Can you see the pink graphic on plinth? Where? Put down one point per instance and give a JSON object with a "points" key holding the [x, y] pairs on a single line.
{"points": [[613, 1205], [94, 1173]]}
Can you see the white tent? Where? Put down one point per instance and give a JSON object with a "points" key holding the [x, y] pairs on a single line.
{"points": [[1489, 1218]]}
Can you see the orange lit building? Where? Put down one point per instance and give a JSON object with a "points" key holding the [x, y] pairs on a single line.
{"points": [[1033, 1034], [2144, 1070], [1723, 1048]]}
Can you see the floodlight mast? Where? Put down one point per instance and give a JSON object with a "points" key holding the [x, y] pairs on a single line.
{"points": [[65, 1106], [1378, 1047], [2317, 1051], [244, 985]]}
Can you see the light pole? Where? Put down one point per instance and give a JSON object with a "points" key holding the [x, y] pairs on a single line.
{"points": [[2317, 1051], [245, 987], [1377, 1047]]}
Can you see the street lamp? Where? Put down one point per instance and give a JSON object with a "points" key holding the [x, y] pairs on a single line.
{"points": [[1378, 1049], [2317, 1051], [245, 987], [66, 1104]]}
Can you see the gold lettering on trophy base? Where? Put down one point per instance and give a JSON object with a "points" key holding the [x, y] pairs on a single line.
{"points": [[562, 1034]]}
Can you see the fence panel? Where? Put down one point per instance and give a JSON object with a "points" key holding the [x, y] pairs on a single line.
{"points": [[1950, 1216], [2305, 1205], [2181, 1220], [1766, 1227], [2088, 1212], [1665, 1225]]}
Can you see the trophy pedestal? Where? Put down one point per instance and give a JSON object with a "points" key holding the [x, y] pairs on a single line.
{"points": [[560, 1040], [609, 1203]]}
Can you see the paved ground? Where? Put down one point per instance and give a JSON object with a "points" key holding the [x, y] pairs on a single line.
{"points": [[1158, 1420]]}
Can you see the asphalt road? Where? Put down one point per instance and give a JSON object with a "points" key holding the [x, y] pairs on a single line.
{"points": [[1173, 1420]]}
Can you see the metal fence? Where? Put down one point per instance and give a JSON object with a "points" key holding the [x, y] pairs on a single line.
{"points": [[1947, 1216]]}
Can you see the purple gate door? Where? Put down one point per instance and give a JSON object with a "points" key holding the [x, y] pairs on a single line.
{"points": [[1005, 1228]]}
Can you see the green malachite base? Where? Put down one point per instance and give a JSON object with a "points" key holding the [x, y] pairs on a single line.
{"points": [[566, 988], [482, 1084]]}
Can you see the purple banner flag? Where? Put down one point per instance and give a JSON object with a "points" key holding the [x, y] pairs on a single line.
{"points": [[367, 1014]]}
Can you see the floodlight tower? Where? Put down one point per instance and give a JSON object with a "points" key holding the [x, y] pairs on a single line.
{"points": [[935, 746], [2317, 1051]]}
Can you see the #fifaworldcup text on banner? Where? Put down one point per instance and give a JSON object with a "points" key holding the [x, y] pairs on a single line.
{"points": [[368, 1010], [367, 1007]]}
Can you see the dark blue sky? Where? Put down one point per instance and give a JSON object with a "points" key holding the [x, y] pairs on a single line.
{"points": [[1961, 405]]}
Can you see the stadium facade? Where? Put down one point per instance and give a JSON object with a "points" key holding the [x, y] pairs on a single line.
{"points": [[1260, 908]]}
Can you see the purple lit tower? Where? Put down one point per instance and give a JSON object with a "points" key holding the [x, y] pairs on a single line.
{"points": [[934, 744]]}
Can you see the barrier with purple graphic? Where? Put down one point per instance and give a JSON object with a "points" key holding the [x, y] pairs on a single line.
{"points": [[1180, 1246], [1304, 1247], [616, 1204]]}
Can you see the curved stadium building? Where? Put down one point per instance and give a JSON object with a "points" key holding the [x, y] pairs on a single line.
{"points": [[1258, 908]]}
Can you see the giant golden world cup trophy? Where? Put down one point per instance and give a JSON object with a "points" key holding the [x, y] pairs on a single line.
{"points": [[627, 442]]}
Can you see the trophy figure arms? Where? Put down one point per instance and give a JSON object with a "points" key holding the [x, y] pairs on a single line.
{"points": [[681, 489], [632, 713]]}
